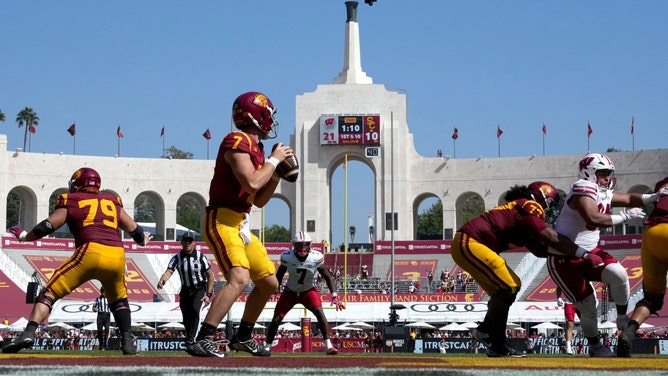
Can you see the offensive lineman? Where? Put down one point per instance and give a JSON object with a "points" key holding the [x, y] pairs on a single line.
{"points": [[93, 217], [302, 263], [654, 267]]}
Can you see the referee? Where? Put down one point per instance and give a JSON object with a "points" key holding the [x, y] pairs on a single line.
{"points": [[101, 306], [197, 281]]}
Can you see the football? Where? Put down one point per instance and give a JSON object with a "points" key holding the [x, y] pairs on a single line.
{"points": [[288, 169]]}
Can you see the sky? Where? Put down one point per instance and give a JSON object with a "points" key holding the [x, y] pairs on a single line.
{"points": [[473, 65]]}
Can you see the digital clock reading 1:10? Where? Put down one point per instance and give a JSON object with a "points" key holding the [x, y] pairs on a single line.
{"points": [[350, 130]]}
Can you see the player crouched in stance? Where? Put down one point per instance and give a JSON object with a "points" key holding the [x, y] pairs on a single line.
{"points": [[477, 244], [94, 219], [302, 263]]}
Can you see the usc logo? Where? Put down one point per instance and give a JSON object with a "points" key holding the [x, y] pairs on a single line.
{"points": [[306, 330], [261, 100]]}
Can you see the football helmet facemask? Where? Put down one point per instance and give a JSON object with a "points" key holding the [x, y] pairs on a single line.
{"points": [[548, 197], [593, 162], [302, 244], [85, 179], [255, 109]]}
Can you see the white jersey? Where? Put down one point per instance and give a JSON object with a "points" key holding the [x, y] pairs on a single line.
{"points": [[571, 224], [301, 274]]}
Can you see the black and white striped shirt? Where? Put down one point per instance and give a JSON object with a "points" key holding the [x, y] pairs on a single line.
{"points": [[101, 304], [192, 268]]}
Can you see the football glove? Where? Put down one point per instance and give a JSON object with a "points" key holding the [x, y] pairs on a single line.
{"points": [[19, 232], [244, 230], [340, 306], [632, 213], [593, 259], [560, 302]]}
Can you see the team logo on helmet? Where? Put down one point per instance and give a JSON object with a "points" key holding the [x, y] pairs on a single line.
{"points": [[261, 100]]}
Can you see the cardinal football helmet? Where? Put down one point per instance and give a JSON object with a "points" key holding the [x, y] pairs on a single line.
{"points": [[593, 162], [548, 197], [255, 109], [302, 244], [85, 179]]}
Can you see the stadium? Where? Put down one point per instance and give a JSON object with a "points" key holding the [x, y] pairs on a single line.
{"points": [[396, 263]]}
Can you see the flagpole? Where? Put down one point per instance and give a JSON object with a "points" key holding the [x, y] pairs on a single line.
{"points": [[163, 142], [633, 133], [498, 139], [118, 139], [454, 148], [543, 141], [74, 144], [207, 149], [345, 226]]}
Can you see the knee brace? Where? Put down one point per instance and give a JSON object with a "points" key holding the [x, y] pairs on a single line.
{"points": [[615, 275], [120, 305], [653, 302], [45, 299]]}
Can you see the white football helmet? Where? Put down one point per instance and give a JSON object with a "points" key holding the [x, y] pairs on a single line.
{"points": [[302, 243], [593, 162]]}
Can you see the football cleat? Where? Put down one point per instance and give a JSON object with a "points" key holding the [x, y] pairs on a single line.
{"points": [[205, 349], [332, 351], [18, 344], [508, 352], [129, 344], [482, 337], [600, 351], [249, 346], [625, 343]]}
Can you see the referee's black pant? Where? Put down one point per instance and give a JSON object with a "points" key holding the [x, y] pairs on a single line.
{"points": [[103, 323], [190, 302]]}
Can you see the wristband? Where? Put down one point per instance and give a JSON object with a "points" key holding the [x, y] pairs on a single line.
{"points": [[273, 161], [580, 252], [617, 219], [22, 236], [209, 294], [649, 198]]}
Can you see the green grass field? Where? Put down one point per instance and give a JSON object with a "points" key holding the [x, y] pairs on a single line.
{"points": [[73, 363]]}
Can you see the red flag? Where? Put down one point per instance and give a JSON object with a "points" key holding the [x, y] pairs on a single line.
{"points": [[72, 129], [455, 134], [207, 134], [32, 128], [162, 132], [119, 133], [544, 128], [499, 132], [633, 124], [589, 130]]}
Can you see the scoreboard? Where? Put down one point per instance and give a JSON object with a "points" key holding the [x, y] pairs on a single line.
{"points": [[350, 130]]}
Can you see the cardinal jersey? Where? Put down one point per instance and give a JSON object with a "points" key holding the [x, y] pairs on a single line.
{"points": [[507, 226], [92, 217], [301, 274], [225, 190], [571, 224]]}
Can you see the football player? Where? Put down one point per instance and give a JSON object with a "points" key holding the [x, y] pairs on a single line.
{"points": [[94, 219], [302, 264], [654, 268], [587, 209], [478, 243], [241, 178]]}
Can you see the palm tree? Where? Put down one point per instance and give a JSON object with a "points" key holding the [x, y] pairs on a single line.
{"points": [[26, 117]]}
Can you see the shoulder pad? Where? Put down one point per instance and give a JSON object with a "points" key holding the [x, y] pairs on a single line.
{"points": [[533, 208], [585, 188]]}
